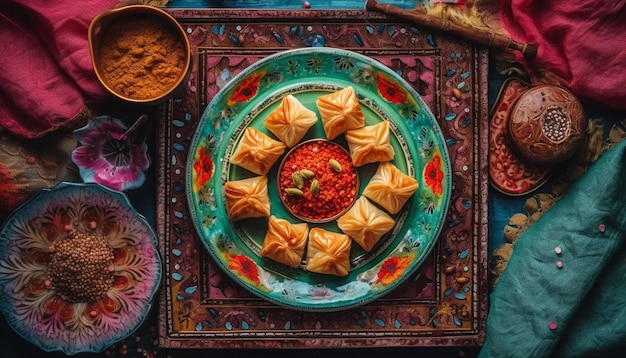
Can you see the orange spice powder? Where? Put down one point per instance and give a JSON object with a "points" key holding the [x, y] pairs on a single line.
{"points": [[141, 57]]}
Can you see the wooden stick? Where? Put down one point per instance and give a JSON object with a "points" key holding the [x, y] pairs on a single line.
{"points": [[479, 36]]}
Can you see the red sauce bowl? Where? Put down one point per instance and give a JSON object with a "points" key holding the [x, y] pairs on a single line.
{"points": [[312, 186]]}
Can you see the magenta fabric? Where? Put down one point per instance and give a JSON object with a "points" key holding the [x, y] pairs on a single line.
{"points": [[46, 75], [583, 42]]}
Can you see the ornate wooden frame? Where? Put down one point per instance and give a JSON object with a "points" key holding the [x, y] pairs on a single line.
{"points": [[445, 303]]}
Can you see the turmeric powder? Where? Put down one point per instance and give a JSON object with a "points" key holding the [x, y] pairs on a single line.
{"points": [[141, 57]]}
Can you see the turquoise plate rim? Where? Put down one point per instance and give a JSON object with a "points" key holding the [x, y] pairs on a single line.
{"points": [[221, 238]]}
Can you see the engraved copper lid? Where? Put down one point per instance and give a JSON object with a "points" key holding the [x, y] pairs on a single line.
{"points": [[547, 124]]}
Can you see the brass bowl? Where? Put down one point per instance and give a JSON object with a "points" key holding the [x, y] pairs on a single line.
{"points": [[285, 181], [140, 69]]}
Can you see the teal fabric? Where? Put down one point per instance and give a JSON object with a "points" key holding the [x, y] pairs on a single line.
{"points": [[586, 297], [599, 329]]}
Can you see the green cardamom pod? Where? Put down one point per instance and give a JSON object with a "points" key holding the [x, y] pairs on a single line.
{"points": [[298, 180], [307, 174], [294, 192], [335, 165], [315, 187]]}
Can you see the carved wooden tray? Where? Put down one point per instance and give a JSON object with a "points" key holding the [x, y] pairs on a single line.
{"points": [[444, 303]]}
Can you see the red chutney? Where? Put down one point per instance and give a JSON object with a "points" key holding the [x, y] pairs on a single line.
{"points": [[338, 188]]}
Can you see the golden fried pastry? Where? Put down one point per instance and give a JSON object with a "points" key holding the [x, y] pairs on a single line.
{"points": [[365, 223], [370, 144], [390, 188], [247, 198], [257, 152], [285, 242], [340, 111], [328, 252], [290, 121]]}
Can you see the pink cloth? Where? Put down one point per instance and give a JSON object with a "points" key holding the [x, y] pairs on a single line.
{"points": [[583, 42], [46, 75]]}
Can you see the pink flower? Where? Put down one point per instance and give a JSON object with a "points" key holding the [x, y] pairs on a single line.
{"points": [[108, 155]]}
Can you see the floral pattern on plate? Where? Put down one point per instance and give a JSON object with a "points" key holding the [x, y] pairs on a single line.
{"points": [[56, 292]]}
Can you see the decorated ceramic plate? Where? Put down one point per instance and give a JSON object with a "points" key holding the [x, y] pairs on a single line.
{"points": [[79, 268], [308, 74]]}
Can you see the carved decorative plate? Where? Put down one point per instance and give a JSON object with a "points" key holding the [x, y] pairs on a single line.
{"points": [[509, 172], [79, 268]]}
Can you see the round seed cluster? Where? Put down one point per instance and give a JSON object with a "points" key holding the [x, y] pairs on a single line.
{"points": [[81, 267], [556, 124]]}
